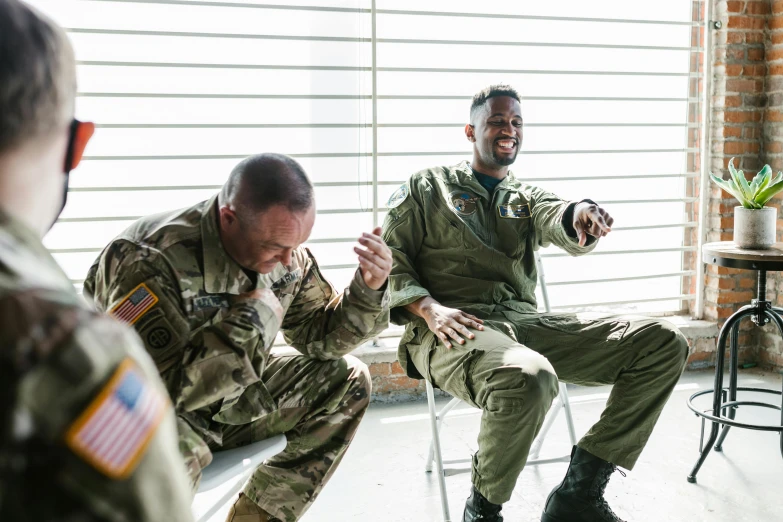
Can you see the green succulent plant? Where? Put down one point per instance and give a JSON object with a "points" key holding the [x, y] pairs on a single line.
{"points": [[753, 195]]}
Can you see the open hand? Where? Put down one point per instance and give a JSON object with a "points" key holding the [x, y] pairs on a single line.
{"points": [[450, 324], [591, 219], [375, 259]]}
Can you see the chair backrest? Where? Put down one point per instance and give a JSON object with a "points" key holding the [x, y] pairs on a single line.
{"points": [[542, 282]]}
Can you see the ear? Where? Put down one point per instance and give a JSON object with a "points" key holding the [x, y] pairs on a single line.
{"points": [[83, 134], [470, 133], [228, 217]]}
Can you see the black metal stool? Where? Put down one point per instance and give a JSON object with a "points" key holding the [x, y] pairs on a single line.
{"points": [[760, 312]]}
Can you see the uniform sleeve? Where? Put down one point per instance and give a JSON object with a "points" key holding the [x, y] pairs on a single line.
{"points": [[325, 325], [403, 232], [548, 213], [220, 354], [94, 406]]}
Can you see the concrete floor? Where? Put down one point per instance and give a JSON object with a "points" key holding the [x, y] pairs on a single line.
{"points": [[382, 477]]}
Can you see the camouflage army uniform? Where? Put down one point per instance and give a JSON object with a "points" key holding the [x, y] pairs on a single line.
{"points": [[213, 350], [474, 251], [58, 359]]}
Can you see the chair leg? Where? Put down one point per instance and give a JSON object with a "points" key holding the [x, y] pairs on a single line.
{"points": [[567, 409], [435, 445]]}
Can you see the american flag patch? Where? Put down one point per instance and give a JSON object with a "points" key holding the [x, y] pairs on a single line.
{"points": [[114, 430], [134, 305]]}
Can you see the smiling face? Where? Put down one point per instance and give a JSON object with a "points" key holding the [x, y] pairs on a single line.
{"points": [[496, 133]]}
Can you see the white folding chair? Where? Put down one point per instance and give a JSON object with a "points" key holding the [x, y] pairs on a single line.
{"points": [[222, 479], [436, 422]]}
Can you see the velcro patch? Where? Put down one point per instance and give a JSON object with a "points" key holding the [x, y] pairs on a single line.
{"points": [[112, 434], [134, 305], [514, 211]]}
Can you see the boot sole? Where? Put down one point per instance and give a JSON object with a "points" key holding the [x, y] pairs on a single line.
{"points": [[550, 518]]}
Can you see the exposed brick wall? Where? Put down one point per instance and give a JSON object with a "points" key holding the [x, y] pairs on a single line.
{"points": [[747, 123]]}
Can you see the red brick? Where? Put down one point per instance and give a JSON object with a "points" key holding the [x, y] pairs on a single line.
{"points": [[736, 7], [775, 70], [724, 283], [740, 147], [775, 22], [379, 369], [772, 115], [742, 116], [751, 133], [777, 6], [757, 8], [754, 70], [747, 282], [732, 132], [756, 54], [734, 69], [735, 37], [774, 54], [396, 368], [735, 297], [755, 37], [774, 147], [746, 22], [737, 85], [777, 38]]}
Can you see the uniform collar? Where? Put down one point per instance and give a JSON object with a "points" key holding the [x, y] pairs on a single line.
{"points": [[221, 273], [462, 174]]}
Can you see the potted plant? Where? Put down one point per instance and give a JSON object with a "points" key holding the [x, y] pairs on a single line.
{"points": [[754, 224]]}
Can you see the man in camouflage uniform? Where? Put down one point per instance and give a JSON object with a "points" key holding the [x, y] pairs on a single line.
{"points": [[463, 240], [64, 369], [225, 276]]}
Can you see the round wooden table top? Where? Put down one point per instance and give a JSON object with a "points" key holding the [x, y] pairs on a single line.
{"points": [[726, 253]]}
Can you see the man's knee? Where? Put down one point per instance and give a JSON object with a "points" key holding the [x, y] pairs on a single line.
{"points": [[673, 345], [360, 381], [514, 389]]}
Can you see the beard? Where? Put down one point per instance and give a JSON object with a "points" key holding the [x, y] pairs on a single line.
{"points": [[503, 161]]}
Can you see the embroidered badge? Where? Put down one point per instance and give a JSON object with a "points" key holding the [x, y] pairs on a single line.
{"points": [[514, 211], [209, 301], [287, 279], [134, 305], [463, 203], [398, 197], [115, 429]]}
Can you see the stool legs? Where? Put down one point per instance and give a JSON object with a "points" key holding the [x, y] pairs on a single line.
{"points": [[734, 363], [717, 401]]}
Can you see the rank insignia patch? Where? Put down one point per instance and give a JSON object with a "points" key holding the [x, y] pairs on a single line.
{"points": [[463, 203], [115, 429], [398, 197], [134, 305], [514, 211]]}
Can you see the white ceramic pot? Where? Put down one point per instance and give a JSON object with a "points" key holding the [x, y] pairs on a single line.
{"points": [[754, 229]]}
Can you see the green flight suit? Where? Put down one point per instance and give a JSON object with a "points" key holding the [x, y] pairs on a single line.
{"points": [[474, 251], [58, 363], [212, 348]]}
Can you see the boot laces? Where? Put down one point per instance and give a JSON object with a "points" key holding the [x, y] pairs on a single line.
{"points": [[488, 512], [602, 480]]}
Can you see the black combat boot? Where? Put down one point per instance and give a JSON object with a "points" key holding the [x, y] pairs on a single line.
{"points": [[580, 497], [479, 509]]}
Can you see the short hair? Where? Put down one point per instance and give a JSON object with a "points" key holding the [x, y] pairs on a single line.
{"points": [[480, 98], [264, 180], [37, 75]]}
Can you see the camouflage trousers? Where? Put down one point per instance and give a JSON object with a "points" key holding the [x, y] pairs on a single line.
{"points": [[320, 405], [511, 371]]}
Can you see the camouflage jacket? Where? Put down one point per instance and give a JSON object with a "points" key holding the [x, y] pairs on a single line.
{"points": [[470, 249], [211, 346], [59, 361]]}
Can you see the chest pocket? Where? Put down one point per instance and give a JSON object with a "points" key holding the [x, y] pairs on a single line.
{"points": [[445, 229], [513, 224]]}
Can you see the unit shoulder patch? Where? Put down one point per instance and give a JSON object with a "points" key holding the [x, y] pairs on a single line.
{"points": [[398, 197], [134, 305], [113, 432]]}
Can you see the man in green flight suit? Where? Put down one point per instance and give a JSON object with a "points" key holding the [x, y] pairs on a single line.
{"points": [[221, 278], [87, 432], [463, 241]]}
